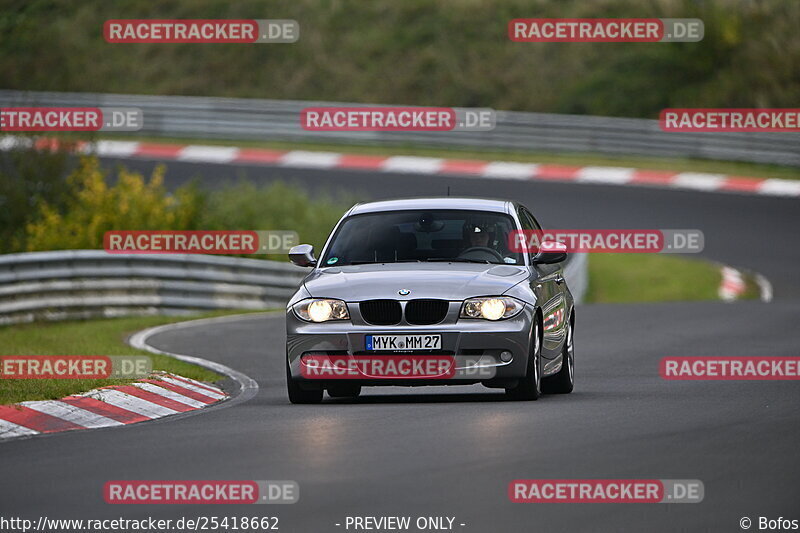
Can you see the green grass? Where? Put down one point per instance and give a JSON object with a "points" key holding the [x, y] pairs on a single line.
{"points": [[732, 168], [95, 337], [627, 278]]}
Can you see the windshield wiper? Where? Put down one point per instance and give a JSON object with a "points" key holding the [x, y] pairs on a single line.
{"points": [[460, 260]]}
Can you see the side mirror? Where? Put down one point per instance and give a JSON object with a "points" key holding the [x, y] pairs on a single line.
{"points": [[550, 252], [302, 255]]}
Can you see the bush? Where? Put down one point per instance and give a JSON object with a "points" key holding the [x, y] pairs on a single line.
{"points": [[87, 206], [278, 206], [92, 207], [28, 178]]}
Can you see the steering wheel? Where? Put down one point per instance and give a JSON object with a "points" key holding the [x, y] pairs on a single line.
{"points": [[481, 251]]}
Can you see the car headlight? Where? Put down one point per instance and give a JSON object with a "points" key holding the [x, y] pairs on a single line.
{"points": [[490, 307], [321, 310]]}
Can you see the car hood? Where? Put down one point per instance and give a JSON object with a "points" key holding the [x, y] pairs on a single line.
{"points": [[447, 281]]}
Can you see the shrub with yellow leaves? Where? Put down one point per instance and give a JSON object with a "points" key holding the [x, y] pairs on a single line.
{"points": [[132, 203]]}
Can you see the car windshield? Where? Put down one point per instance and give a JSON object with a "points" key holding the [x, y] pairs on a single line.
{"points": [[425, 236]]}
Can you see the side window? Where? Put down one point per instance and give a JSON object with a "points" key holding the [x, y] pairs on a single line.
{"points": [[535, 223], [524, 219], [527, 220]]}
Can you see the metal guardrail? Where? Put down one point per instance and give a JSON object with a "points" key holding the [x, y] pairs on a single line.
{"points": [[89, 283], [72, 284], [257, 119]]}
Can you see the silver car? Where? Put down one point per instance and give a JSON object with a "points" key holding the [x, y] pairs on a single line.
{"points": [[429, 291]]}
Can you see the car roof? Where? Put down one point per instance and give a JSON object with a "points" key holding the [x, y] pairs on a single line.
{"points": [[431, 203]]}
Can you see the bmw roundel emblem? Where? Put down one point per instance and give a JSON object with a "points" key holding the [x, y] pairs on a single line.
{"points": [[403, 292]]}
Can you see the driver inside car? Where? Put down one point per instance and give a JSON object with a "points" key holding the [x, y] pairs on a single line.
{"points": [[477, 234], [483, 234]]}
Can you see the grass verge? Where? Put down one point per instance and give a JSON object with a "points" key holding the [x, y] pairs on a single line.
{"points": [[93, 337], [628, 278]]}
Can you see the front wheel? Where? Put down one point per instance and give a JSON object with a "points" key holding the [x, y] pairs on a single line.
{"points": [[530, 387], [564, 381], [298, 395]]}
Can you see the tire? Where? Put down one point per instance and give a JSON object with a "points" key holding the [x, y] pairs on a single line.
{"points": [[530, 387], [298, 395], [344, 390], [564, 381]]}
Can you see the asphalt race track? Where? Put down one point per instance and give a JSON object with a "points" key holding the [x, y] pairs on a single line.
{"points": [[453, 451], [755, 232]]}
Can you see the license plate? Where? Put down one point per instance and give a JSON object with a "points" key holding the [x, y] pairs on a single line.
{"points": [[403, 342]]}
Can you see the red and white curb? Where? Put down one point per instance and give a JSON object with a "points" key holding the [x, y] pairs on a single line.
{"points": [[695, 181], [733, 285], [161, 395]]}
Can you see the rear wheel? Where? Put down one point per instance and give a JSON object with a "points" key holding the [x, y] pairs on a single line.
{"points": [[344, 390], [564, 381], [530, 387], [299, 395]]}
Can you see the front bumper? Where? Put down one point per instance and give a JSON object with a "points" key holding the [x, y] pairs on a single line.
{"points": [[477, 345]]}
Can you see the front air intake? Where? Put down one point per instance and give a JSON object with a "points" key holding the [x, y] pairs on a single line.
{"points": [[424, 312], [380, 312]]}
